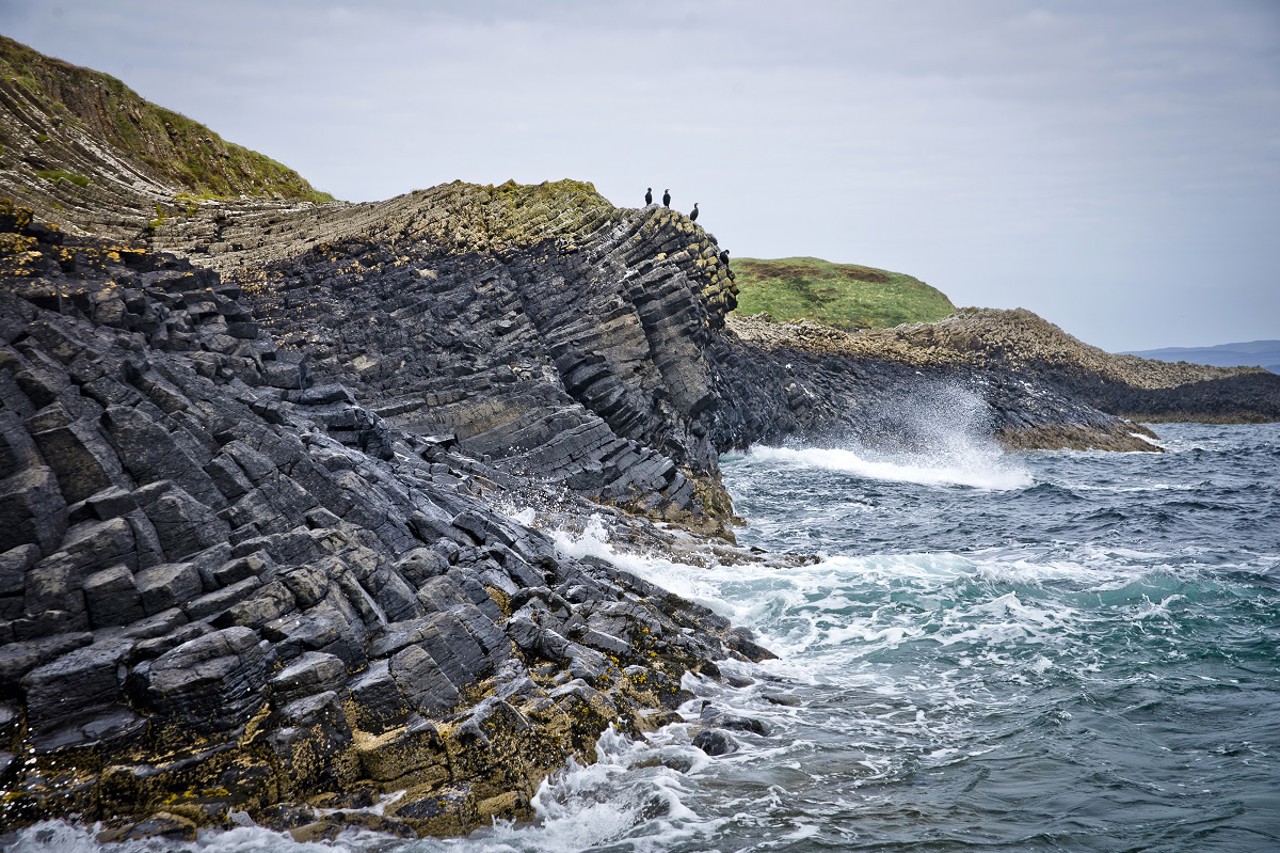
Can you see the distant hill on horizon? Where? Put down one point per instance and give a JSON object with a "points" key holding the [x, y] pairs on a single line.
{"points": [[1242, 354]]}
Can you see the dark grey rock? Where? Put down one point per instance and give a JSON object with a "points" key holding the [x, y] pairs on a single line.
{"points": [[713, 715], [14, 564], [183, 524], [423, 682], [393, 594], [150, 454], [227, 476], [267, 603], [168, 585], [211, 683], [312, 673], [111, 502], [80, 458], [17, 659], [324, 628], [243, 568], [420, 565], [309, 584], [715, 742], [112, 598], [32, 510], [378, 703], [75, 686], [214, 603]]}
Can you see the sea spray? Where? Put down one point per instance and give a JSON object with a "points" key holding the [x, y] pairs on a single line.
{"points": [[938, 435], [977, 469]]}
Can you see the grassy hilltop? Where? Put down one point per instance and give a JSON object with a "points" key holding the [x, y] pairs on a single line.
{"points": [[73, 138], [845, 296]]}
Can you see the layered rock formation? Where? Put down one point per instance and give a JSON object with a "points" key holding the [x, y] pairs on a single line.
{"points": [[259, 490], [1125, 385], [223, 586], [898, 396], [276, 572], [1055, 391], [543, 327], [90, 154]]}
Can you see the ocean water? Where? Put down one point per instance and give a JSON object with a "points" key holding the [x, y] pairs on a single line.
{"points": [[1049, 651]]}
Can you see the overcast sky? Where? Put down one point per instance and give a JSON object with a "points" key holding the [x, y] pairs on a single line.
{"points": [[1113, 166]]}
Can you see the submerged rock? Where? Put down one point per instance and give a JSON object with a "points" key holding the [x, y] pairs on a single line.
{"points": [[716, 742]]}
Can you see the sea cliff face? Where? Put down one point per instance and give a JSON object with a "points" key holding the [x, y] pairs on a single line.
{"points": [[261, 549], [277, 572], [228, 586], [278, 479]]}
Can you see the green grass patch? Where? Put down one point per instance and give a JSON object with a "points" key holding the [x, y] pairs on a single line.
{"points": [[845, 296], [56, 175]]}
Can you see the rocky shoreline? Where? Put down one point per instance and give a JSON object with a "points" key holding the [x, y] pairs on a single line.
{"points": [[279, 479], [268, 541], [227, 587]]}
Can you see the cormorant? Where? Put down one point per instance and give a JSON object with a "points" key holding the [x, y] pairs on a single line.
{"points": [[693, 217], [666, 198], [648, 196]]}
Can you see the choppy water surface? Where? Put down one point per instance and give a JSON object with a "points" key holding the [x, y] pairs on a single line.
{"points": [[1033, 652]]}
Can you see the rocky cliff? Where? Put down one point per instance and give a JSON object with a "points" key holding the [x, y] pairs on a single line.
{"points": [[276, 479], [226, 586], [260, 549], [1137, 388]]}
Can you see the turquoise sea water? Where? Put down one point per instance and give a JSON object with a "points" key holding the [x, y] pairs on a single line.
{"points": [[1026, 652]]}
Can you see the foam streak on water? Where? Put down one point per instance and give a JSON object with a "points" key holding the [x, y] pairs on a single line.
{"points": [[1086, 659], [974, 471]]}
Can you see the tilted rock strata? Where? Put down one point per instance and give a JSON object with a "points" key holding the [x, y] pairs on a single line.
{"points": [[224, 587], [541, 326], [586, 344], [88, 152], [837, 387], [1022, 340]]}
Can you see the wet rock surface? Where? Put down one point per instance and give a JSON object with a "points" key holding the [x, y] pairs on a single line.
{"points": [[225, 585]]}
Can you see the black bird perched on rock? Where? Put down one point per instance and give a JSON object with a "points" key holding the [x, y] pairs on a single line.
{"points": [[724, 257], [693, 217], [666, 198], [648, 196]]}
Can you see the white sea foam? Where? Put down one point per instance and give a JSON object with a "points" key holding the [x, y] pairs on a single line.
{"points": [[822, 618], [62, 837], [937, 435], [525, 516], [992, 471]]}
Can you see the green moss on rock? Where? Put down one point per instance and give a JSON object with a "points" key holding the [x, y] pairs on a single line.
{"points": [[56, 175]]}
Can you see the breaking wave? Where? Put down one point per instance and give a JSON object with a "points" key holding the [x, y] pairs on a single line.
{"points": [[937, 436]]}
